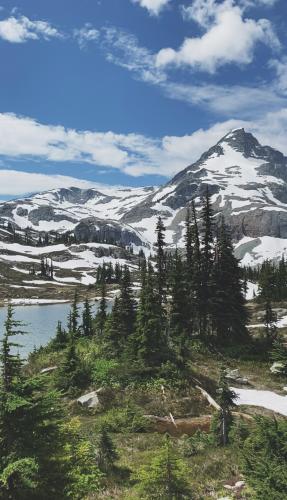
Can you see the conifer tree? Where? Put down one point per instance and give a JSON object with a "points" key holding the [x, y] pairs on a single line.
{"points": [[61, 338], [101, 316], [149, 341], [106, 451], [161, 260], [279, 354], [75, 315], [87, 320], [72, 373], [127, 309], [226, 400], [165, 477], [179, 325], [112, 339], [206, 263], [227, 303], [270, 322]]}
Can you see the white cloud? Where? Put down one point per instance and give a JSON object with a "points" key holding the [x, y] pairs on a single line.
{"points": [[153, 6], [20, 29], [86, 34], [229, 38], [245, 100], [15, 183], [133, 154], [123, 49], [280, 67]]}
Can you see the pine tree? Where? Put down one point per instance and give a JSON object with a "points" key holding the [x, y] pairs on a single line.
{"points": [[165, 477], [228, 313], [179, 325], [206, 263], [72, 374], [226, 400], [149, 342], [87, 320], [106, 451], [75, 315], [193, 270], [101, 316], [161, 260], [264, 459], [61, 338], [270, 322], [112, 340], [279, 354], [127, 309]]}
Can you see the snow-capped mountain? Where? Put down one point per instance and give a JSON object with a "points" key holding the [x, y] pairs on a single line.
{"points": [[248, 183]]}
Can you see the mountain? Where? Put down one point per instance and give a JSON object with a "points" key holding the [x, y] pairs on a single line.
{"points": [[248, 183]]}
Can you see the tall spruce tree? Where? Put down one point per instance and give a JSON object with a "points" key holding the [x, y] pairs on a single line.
{"points": [[112, 339], [270, 322], [127, 309], [149, 343], [226, 400], [101, 316], [229, 315], [75, 315], [179, 324], [206, 263], [87, 319], [161, 260]]}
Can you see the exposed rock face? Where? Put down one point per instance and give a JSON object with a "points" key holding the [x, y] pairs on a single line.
{"points": [[247, 181]]}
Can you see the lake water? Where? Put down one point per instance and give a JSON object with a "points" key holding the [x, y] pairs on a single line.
{"points": [[41, 323]]}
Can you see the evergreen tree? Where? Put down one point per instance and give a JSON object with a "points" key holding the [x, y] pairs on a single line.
{"points": [[270, 322], [206, 263], [264, 459], [161, 260], [61, 338], [279, 354], [179, 325], [106, 451], [87, 320], [72, 374], [229, 316], [149, 343], [127, 309], [101, 316], [75, 315], [112, 339], [226, 400], [165, 477]]}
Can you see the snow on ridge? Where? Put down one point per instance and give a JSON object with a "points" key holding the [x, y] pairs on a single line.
{"points": [[265, 399]]}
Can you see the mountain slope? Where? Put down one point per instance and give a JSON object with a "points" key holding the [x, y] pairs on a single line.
{"points": [[248, 183]]}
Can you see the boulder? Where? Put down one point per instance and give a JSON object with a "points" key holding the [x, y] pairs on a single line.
{"points": [[90, 400], [49, 369], [235, 376]]}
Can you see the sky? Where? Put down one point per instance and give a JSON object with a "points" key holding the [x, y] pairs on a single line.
{"points": [[130, 92]]}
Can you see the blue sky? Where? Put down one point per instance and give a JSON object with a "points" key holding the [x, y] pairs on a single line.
{"points": [[132, 91]]}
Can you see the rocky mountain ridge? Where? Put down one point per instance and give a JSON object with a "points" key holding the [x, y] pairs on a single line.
{"points": [[248, 183]]}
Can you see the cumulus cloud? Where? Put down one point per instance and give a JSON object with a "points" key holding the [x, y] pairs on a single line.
{"points": [[132, 154], [228, 38], [21, 29], [153, 6], [86, 34], [15, 182]]}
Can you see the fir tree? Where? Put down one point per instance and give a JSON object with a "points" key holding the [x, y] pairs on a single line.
{"points": [[165, 477], [179, 325], [101, 316], [112, 339], [60, 340], [127, 309], [206, 263], [226, 400], [106, 451], [75, 315], [279, 354], [87, 320], [161, 260], [228, 314], [149, 340], [72, 374], [270, 322]]}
